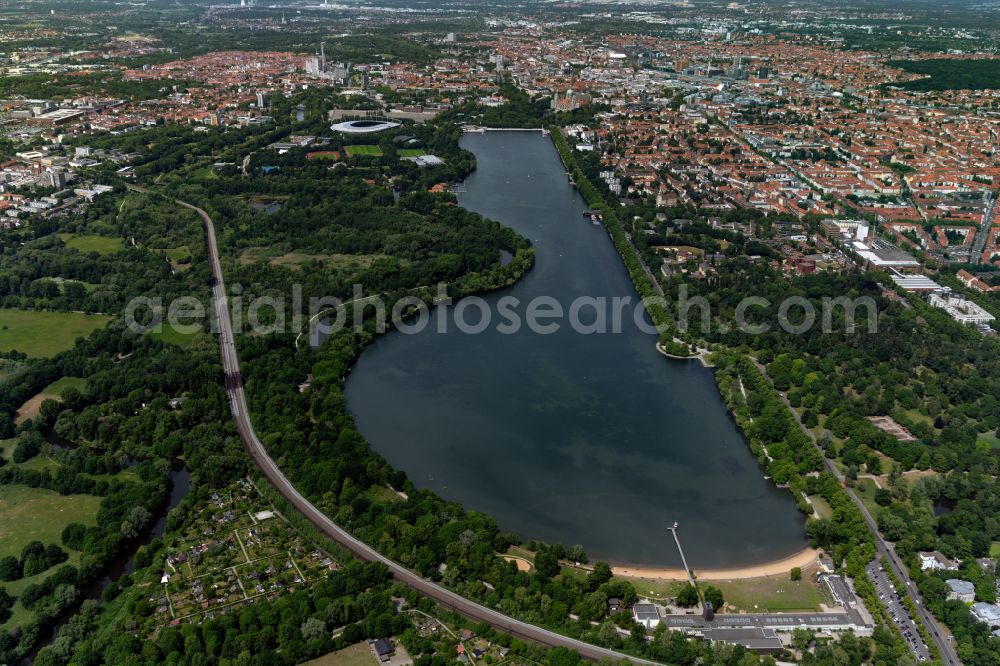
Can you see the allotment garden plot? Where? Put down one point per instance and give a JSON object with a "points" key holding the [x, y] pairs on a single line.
{"points": [[238, 550]]}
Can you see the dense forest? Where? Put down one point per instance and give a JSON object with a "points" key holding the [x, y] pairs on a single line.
{"points": [[951, 73]]}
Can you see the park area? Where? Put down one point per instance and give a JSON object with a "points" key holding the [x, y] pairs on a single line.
{"points": [[91, 243], [41, 334], [36, 514], [53, 391]]}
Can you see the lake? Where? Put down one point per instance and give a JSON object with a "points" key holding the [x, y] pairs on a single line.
{"points": [[566, 437]]}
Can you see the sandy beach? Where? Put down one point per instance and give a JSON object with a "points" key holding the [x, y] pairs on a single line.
{"points": [[803, 558]]}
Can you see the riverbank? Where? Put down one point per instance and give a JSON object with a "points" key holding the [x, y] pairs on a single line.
{"points": [[801, 559]]}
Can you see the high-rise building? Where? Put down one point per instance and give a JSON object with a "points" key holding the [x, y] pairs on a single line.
{"points": [[57, 179]]}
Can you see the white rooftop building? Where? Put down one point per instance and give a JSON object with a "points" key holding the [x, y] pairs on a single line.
{"points": [[960, 308], [934, 561], [646, 614], [915, 283], [988, 614]]}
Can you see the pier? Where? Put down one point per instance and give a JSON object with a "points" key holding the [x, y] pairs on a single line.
{"points": [[687, 570]]}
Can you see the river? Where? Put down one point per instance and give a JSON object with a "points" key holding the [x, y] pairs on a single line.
{"points": [[566, 437]]}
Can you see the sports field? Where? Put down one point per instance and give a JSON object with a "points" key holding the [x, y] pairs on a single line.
{"points": [[41, 334], [372, 151]]}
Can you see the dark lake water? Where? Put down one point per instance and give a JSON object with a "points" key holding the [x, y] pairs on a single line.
{"points": [[572, 438]]}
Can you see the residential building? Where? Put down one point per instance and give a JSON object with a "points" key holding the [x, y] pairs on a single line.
{"points": [[962, 590], [935, 561]]}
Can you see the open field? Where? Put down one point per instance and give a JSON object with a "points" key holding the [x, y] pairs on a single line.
{"points": [[521, 563], [821, 506], [358, 654], [171, 336], [53, 391], [995, 549], [382, 495], [411, 152], [774, 594], [29, 514], [654, 588], [990, 439], [175, 253], [88, 243], [42, 334], [323, 155], [865, 488], [369, 151], [62, 282]]}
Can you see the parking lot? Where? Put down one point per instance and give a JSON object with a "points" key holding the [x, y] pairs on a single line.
{"points": [[892, 601]]}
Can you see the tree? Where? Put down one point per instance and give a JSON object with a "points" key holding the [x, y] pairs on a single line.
{"points": [[561, 656], [546, 564], [73, 535], [135, 521], [313, 628], [688, 596], [10, 568], [577, 554], [796, 573], [600, 575], [714, 596]]}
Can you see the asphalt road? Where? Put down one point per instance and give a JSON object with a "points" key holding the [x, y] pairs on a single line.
{"points": [[241, 415], [979, 244]]}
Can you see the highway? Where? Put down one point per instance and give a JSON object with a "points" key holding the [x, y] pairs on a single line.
{"points": [[253, 445]]}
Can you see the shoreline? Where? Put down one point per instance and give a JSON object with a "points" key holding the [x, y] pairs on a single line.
{"points": [[801, 559]]}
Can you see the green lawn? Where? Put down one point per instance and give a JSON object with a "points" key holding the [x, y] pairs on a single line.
{"points": [[56, 388], [171, 336], [865, 488], [88, 286], [42, 334], [29, 514], [175, 253], [373, 151], [89, 243], [990, 439], [655, 588], [821, 506], [995, 549], [382, 495], [53, 391], [411, 152], [772, 594]]}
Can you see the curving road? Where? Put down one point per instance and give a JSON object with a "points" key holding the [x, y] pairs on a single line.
{"points": [[253, 445]]}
